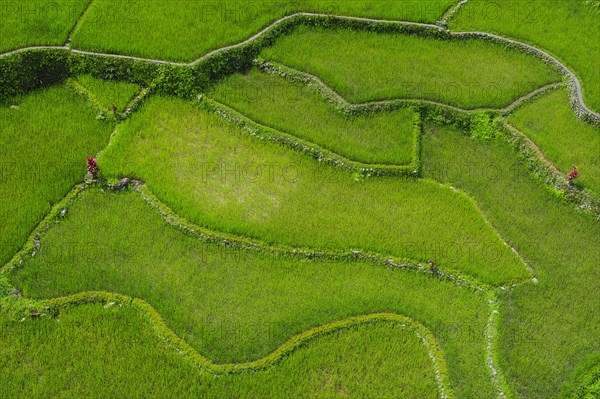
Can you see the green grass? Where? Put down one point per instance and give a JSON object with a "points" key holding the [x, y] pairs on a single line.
{"points": [[109, 92], [180, 30], [564, 139], [209, 172], [383, 138], [550, 328], [37, 22], [93, 352], [364, 66], [568, 30], [46, 137], [239, 306]]}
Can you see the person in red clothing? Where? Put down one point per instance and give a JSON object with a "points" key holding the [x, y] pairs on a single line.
{"points": [[92, 167], [572, 175]]}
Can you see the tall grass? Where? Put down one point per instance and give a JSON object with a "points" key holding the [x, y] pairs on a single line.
{"points": [[37, 22], [569, 30], [46, 137], [365, 66], [550, 328], [565, 139], [384, 138], [93, 352], [221, 178], [180, 30], [237, 306]]}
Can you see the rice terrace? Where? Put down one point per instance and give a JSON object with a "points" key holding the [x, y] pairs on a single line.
{"points": [[300, 199]]}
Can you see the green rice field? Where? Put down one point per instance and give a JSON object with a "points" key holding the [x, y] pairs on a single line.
{"points": [[309, 199]]}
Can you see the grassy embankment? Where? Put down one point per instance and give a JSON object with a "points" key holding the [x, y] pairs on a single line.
{"points": [[108, 92]]}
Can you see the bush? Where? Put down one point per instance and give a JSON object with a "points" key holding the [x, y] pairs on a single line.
{"points": [[30, 70], [482, 125]]}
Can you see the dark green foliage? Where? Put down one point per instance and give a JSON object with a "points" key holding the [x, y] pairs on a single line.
{"points": [[108, 68], [30, 70]]}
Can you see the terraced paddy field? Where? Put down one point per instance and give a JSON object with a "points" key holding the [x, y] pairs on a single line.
{"points": [[299, 200]]}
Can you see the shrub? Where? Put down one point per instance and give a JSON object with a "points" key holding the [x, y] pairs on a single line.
{"points": [[482, 125]]}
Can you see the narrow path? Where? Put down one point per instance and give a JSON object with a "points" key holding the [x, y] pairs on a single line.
{"points": [[581, 110], [520, 101], [127, 57], [33, 48], [300, 14]]}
